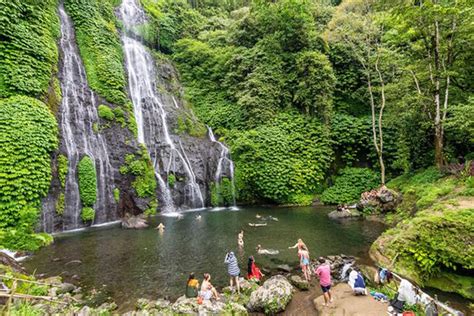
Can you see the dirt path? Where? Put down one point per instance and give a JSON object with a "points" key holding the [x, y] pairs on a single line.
{"points": [[302, 302], [347, 304]]}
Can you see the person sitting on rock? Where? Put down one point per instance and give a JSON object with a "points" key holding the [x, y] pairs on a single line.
{"points": [[192, 287], [356, 282], [253, 272], [208, 291]]}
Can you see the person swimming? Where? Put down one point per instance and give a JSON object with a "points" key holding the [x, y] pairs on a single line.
{"points": [[240, 238], [257, 225], [160, 227], [300, 245], [198, 217], [258, 216], [262, 251]]}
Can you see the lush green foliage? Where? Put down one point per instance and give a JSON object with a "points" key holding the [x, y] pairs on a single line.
{"points": [[60, 204], [171, 180], [87, 177], [106, 113], [100, 47], [281, 160], [62, 169], [349, 184], [141, 167], [222, 193], [28, 51], [432, 241], [87, 214], [117, 195], [28, 135]]}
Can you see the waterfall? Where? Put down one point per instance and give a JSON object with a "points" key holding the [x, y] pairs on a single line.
{"points": [[151, 111], [224, 158], [78, 114]]}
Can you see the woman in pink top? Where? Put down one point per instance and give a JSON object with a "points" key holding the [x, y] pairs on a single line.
{"points": [[324, 273]]}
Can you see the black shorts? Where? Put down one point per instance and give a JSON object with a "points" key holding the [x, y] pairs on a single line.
{"points": [[325, 288]]}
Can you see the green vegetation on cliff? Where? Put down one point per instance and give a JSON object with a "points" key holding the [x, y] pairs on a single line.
{"points": [[140, 166], [28, 135], [28, 51], [100, 47], [87, 177], [434, 241]]}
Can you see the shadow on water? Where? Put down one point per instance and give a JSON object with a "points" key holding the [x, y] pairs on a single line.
{"points": [[129, 264]]}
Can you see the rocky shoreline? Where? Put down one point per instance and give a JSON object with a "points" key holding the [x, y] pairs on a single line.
{"points": [[270, 297]]}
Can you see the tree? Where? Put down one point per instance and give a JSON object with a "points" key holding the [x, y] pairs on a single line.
{"points": [[355, 25], [433, 35]]}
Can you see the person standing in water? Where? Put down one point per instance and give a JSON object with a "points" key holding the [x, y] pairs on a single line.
{"points": [[324, 273], [233, 270], [240, 238]]}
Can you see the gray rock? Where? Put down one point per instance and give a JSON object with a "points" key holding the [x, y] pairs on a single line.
{"points": [[299, 282], [284, 268], [73, 262], [272, 296], [66, 288], [85, 311], [184, 305], [350, 213], [133, 222]]}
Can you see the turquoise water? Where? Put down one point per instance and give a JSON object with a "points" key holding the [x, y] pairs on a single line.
{"points": [[129, 264]]}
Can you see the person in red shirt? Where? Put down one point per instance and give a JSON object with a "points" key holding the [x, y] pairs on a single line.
{"points": [[252, 270], [324, 274]]}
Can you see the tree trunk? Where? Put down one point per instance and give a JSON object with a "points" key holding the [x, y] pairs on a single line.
{"points": [[438, 139]]}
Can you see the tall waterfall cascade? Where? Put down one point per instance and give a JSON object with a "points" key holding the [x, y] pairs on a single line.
{"points": [[151, 113], [78, 114], [224, 163]]}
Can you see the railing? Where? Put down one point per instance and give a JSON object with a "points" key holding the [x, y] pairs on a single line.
{"points": [[441, 306], [10, 293]]}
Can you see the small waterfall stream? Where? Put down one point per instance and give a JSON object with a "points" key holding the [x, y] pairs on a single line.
{"points": [[151, 112], [224, 159], [78, 114]]}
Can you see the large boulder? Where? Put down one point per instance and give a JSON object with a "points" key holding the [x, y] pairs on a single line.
{"points": [[382, 199], [133, 222], [272, 297], [299, 282], [347, 213]]}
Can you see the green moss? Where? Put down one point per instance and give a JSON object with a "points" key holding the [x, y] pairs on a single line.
{"points": [[87, 181], [60, 204], [62, 169], [132, 123], [171, 180], [106, 113], [28, 135], [100, 47], [152, 207], [141, 167], [117, 195], [431, 244], [186, 124], [95, 127], [119, 116], [87, 214], [450, 282], [28, 51], [221, 193]]}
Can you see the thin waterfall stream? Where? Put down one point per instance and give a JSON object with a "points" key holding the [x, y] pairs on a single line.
{"points": [[78, 114], [224, 158]]}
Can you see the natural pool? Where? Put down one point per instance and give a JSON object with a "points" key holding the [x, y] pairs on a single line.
{"points": [[129, 264]]}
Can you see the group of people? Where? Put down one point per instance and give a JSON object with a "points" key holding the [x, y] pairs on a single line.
{"points": [[207, 291]]}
